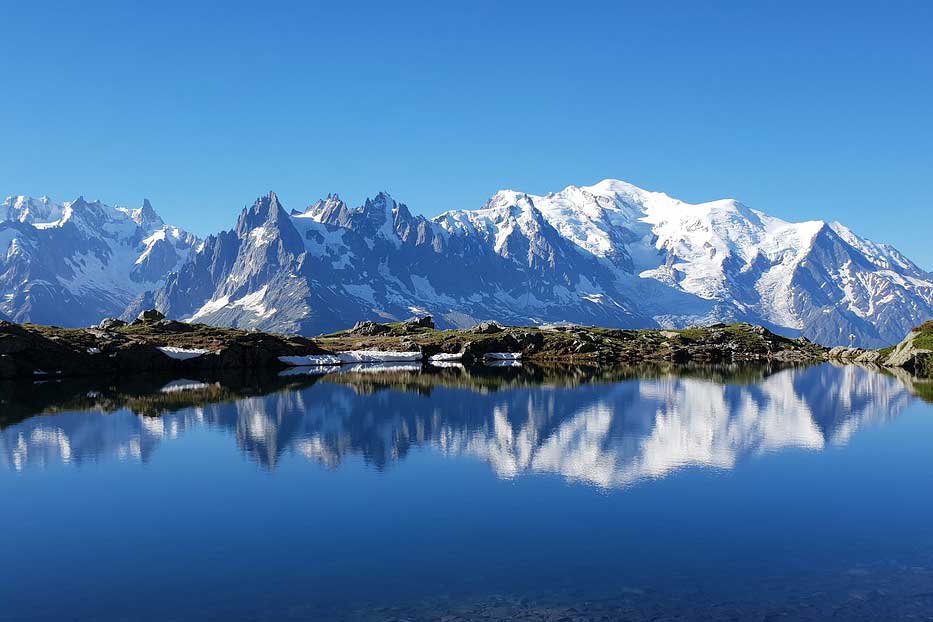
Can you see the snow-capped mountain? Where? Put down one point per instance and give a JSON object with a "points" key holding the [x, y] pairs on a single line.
{"points": [[721, 260], [326, 267], [72, 264], [610, 254]]}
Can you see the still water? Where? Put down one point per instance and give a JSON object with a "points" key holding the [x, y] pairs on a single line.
{"points": [[505, 494]]}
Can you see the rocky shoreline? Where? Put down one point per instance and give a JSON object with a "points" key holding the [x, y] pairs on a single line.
{"points": [[914, 353], [154, 344]]}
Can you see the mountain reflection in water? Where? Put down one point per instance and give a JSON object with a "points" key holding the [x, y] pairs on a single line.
{"points": [[608, 430]]}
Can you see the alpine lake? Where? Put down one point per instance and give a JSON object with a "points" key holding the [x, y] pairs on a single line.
{"points": [[507, 492]]}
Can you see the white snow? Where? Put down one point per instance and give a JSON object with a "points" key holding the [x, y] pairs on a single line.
{"points": [[379, 356], [254, 303], [209, 307], [445, 356], [311, 359], [181, 354]]}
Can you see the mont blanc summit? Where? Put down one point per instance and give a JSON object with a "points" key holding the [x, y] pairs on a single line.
{"points": [[610, 254]]}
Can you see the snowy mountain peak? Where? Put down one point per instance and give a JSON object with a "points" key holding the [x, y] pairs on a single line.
{"points": [[330, 209], [30, 210], [144, 216], [265, 209], [72, 263]]}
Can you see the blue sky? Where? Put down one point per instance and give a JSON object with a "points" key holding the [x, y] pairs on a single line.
{"points": [[803, 111]]}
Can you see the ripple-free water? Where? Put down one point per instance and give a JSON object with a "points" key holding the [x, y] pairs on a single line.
{"points": [[701, 494]]}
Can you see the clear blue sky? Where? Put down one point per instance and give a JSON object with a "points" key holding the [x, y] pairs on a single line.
{"points": [[805, 112]]}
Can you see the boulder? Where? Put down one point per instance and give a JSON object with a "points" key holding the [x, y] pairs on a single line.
{"points": [[420, 322], [868, 356], [111, 323], [487, 328], [150, 315]]}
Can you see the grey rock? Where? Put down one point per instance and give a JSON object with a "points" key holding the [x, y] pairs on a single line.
{"points": [[111, 323], [420, 322], [150, 315], [370, 329]]}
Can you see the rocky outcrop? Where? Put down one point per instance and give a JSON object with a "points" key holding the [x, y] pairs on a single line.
{"points": [[149, 315], [369, 329], [915, 352], [854, 355], [487, 328], [419, 322]]}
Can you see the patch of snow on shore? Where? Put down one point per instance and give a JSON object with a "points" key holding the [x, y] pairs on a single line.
{"points": [[379, 356], [445, 356], [181, 354]]}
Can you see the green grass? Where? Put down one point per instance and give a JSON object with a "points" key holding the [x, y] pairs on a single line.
{"points": [[924, 341]]}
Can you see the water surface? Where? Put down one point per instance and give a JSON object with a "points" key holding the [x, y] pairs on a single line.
{"points": [[511, 493]]}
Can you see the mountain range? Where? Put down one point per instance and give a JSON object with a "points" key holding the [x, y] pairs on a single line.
{"points": [[610, 254]]}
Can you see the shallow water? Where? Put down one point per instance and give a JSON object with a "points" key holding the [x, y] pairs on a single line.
{"points": [[686, 494]]}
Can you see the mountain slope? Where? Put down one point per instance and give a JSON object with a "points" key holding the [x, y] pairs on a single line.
{"points": [[71, 264]]}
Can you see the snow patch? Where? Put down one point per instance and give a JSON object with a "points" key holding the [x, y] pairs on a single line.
{"points": [[181, 354], [379, 356], [445, 356]]}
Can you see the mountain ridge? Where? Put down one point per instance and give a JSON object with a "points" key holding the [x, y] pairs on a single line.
{"points": [[609, 254]]}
